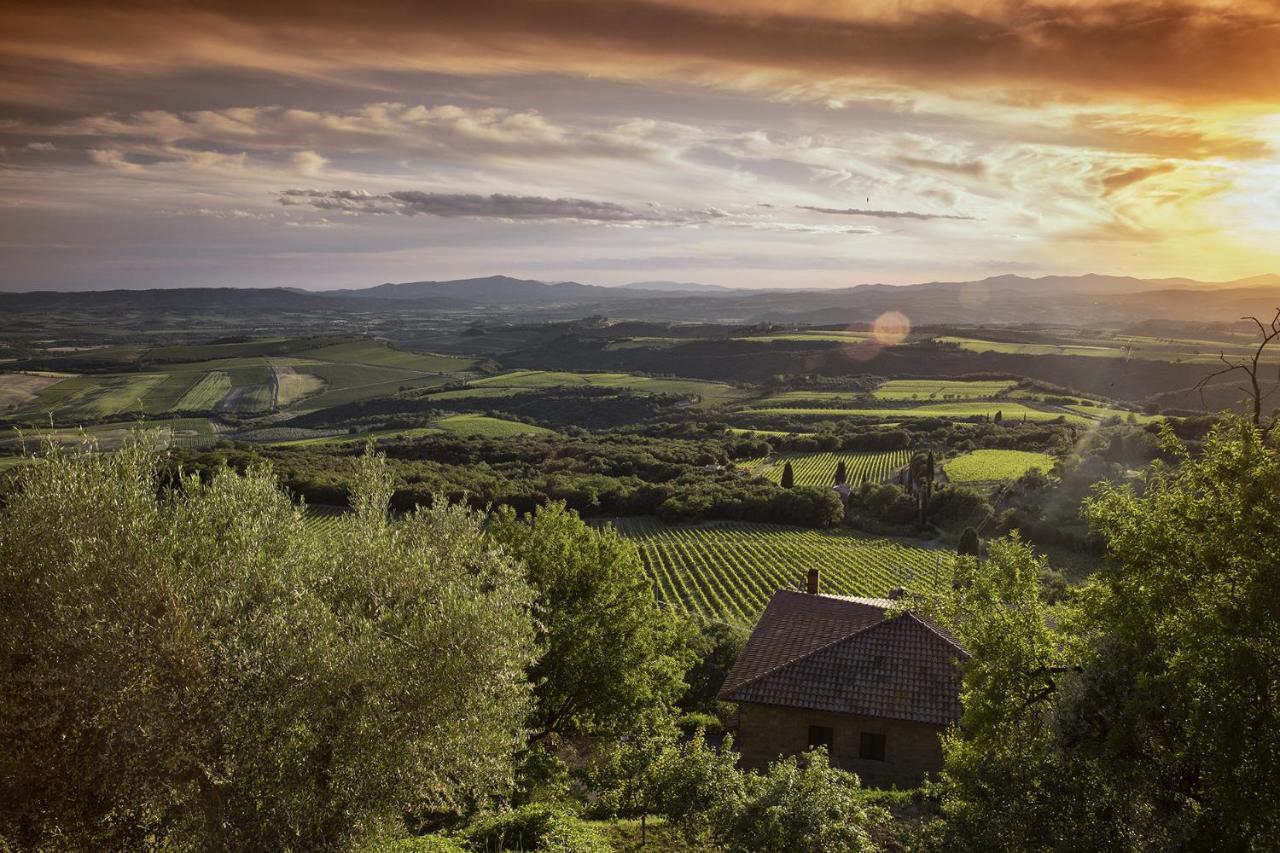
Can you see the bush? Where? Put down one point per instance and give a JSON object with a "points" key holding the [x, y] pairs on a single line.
{"points": [[418, 844], [538, 828], [802, 804]]}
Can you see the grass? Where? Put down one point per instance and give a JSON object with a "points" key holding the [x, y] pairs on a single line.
{"points": [[380, 354], [711, 393], [942, 389], [206, 393], [383, 386], [995, 465], [767, 433], [659, 836], [816, 335], [1019, 348], [800, 398], [291, 385], [1012, 411], [487, 427], [1104, 412], [729, 570], [20, 389]]}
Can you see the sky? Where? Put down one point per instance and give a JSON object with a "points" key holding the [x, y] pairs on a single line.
{"points": [[760, 143]]}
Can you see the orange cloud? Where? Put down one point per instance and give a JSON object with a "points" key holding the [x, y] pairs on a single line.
{"points": [[1170, 49]]}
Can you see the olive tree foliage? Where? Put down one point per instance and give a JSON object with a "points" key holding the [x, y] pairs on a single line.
{"points": [[609, 655], [1145, 714], [200, 669]]}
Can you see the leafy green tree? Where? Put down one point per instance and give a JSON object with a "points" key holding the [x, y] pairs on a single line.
{"points": [[715, 647], [628, 773], [1150, 720], [970, 545], [842, 473], [997, 761], [208, 671], [788, 476], [610, 656], [1183, 684]]}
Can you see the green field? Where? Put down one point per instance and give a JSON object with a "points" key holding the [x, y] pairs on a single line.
{"points": [[487, 427], [817, 399], [1012, 411], [379, 354], [995, 465], [815, 335], [1104, 412], [819, 469], [240, 379], [729, 570], [942, 389], [1019, 348], [205, 394], [711, 393]]}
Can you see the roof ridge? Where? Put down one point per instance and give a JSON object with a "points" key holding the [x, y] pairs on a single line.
{"points": [[939, 632], [806, 655]]}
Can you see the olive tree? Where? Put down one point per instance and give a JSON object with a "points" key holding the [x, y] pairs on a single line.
{"points": [[201, 668]]}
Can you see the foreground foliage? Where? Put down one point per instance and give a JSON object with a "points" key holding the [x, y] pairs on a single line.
{"points": [[1145, 716], [206, 666]]}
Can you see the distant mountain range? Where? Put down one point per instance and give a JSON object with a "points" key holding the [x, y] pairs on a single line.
{"points": [[1007, 299]]}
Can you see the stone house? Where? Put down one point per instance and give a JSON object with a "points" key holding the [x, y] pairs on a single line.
{"points": [[834, 671]]}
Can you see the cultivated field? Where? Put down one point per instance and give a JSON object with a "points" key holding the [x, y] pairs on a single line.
{"points": [[487, 427], [729, 570], [1011, 411], [711, 393], [995, 465], [815, 335], [240, 378], [819, 469], [942, 389]]}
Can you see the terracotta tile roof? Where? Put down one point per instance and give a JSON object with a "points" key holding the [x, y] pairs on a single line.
{"points": [[839, 654]]}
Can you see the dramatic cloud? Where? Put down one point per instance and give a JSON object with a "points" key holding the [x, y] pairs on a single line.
{"points": [[882, 214], [1118, 179], [383, 128], [160, 139], [496, 206], [1176, 49]]}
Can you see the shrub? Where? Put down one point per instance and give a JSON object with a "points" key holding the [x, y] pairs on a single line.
{"points": [[419, 844], [538, 828]]}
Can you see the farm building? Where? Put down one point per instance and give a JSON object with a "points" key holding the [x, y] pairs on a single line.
{"points": [[834, 671]]}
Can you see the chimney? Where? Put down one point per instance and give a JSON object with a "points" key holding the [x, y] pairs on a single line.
{"points": [[813, 582]]}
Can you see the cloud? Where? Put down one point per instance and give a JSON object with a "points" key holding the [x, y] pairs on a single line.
{"points": [[385, 128], [883, 214], [113, 159], [1197, 50], [971, 168], [1117, 179], [495, 206]]}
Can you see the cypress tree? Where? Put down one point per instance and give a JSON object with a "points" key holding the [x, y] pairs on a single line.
{"points": [[788, 476]]}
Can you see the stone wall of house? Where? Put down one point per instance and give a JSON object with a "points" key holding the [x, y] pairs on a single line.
{"points": [[766, 732]]}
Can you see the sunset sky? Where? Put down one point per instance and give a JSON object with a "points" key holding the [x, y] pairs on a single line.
{"points": [[779, 143]]}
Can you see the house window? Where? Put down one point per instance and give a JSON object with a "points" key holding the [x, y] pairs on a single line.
{"points": [[821, 736], [871, 746]]}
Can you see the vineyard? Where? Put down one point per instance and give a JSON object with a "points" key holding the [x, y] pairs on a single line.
{"points": [[995, 465], [729, 570], [819, 469]]}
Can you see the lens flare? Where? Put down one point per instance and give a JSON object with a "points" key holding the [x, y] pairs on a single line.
{"points": [[891, 327]]}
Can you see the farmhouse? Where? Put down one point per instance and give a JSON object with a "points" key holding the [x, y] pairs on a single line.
{"points": [[826, 670]]}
